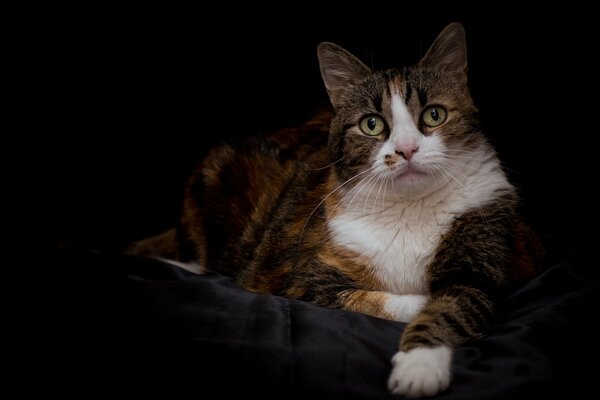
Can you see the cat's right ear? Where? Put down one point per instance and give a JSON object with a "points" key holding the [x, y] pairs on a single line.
{"points": [[339, 68]]}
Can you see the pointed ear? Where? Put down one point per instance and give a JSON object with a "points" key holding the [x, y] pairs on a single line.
{"points": [[339, 68], [448, 52]]}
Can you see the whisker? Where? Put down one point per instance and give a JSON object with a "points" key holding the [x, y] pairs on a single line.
{"points": [[456, 171], [437, 173], [394, 189], [371, 177], [346, 195], [326, 197], [369, 195], [460, 164], [514, 171], [465, 158], [377, 196], [384, 191], [448, 172], [327, 166]]}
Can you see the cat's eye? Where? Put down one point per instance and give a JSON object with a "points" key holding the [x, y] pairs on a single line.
{"points": [[372, 125], [434, 116]]}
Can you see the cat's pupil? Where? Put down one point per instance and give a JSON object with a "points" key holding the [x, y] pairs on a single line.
{"points": [[371, 124], [435, 115]]}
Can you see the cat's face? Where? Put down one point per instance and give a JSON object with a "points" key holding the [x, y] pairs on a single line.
{"points": [[408, 131]]}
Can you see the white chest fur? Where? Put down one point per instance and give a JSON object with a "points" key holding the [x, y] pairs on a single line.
{"points": [[399, 242], [400, 237]]}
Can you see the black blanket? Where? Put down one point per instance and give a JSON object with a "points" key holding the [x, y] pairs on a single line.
{"points": [[146, 325]]}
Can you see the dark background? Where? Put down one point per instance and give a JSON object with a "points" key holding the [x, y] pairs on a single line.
{"points": [[117, 107]]}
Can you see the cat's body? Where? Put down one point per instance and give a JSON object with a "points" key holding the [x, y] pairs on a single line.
{"points": [[397, 207]]}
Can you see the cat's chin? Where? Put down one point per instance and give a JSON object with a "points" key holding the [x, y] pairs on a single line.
{"points": [[411, 176], [413, 183]]}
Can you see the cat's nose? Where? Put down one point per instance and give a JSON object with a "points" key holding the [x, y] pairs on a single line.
{"points": [[407, 151]]}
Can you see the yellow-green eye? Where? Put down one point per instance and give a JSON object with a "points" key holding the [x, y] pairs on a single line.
{"points": [[372, 125], [434, 116]]}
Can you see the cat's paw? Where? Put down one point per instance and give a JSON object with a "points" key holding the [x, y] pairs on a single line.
{"points": [[404, 308], [421, 372]]}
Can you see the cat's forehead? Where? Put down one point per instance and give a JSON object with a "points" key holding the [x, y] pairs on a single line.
{"points": [[374, 93], [415, 85], [396, 82], [381, 85], [388, 84]]}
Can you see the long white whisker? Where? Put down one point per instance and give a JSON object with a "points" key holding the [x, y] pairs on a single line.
{"points": [[394, 189], [460, 164], [445, 175], [369, 195], [463, 156], [371, 177], [384, 191], [377, 196], [437, 172], [327, 166], [448, 172], [326, 197], [347, 194], [455, 170]]}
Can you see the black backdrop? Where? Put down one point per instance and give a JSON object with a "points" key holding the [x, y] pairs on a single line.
{"points": [[120, 105]]}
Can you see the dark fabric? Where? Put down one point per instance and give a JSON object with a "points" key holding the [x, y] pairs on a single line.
{"points": [[127, 322]]}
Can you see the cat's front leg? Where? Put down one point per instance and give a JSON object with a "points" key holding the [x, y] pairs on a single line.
{"points": [[403, 308], [422, 367]]}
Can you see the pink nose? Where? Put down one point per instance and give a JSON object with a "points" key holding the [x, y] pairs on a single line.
{"points": [[407, 151]]}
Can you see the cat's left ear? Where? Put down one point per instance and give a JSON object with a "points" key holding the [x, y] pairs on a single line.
{"points": [[448, 52], [339, 69]]}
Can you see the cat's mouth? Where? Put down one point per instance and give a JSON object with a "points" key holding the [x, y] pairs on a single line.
{"points": [[410, 172]]}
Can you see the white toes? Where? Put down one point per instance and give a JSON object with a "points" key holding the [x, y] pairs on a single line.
{"points": [[421, 372]]}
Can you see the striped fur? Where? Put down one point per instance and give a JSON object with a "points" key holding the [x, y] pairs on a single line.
{"points": [[328, 214]]}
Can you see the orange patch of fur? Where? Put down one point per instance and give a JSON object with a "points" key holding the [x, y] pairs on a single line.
{"points": [[367, 302]]}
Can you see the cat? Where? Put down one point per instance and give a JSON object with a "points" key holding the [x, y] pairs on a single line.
{"points": [[395, 206]]}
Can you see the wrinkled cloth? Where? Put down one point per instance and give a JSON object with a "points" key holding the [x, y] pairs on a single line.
{"points": [[143, 324]]}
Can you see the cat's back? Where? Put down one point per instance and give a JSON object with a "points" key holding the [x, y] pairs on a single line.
{"points": [[242, 188], [266, 154]]}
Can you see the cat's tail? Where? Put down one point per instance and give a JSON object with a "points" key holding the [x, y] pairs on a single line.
{"points": [[165, 247]]}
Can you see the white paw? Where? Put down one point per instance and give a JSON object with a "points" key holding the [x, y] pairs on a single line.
{"points": [[404, 308], [420, 372]]}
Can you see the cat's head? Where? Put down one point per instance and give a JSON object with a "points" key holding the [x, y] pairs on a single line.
{"points": [[409, 129]]}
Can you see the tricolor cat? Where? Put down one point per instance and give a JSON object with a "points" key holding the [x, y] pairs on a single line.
{"points": [[395, 206]]}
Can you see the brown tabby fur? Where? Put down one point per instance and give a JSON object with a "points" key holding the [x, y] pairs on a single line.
{"points": [[257, 212]]}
